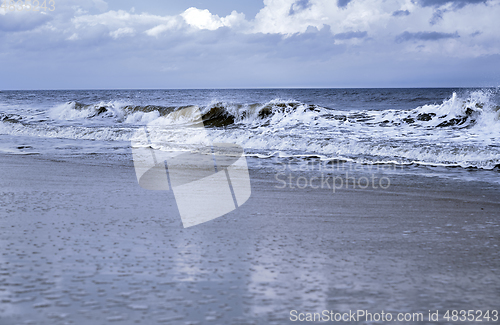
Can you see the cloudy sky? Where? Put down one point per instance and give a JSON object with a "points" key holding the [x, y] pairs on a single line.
{"points": [[93, 44]]}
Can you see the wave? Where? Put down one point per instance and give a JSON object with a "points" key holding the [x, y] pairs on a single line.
{"points": [[462, 130], [455, 112], [113, 111], [218, 114]]}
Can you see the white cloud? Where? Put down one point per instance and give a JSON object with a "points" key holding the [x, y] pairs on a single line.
{"points": [[121, 19], [122, 23], [234, 19], [275, 18], [73, 37], [285, 18], [203, 19], [157, 30], [121, 32], [373, 19], [376, 17]]}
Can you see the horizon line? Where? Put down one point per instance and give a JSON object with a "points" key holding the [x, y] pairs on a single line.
{"points": [[247, 88]]}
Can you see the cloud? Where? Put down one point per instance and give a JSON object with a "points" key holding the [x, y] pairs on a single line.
{"points": [[286, 42], [120, 19], [73, 37], [400, 13], [437, 16], [121, 24], [22, 21], [343, 3], [203, 19], [425, 36], [350, 35], [455, 3], [288, 17], [160, 29], [121, 32], [298, 6]]}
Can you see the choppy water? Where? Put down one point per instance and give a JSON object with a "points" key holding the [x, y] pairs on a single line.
{"points": [[439, 127]]}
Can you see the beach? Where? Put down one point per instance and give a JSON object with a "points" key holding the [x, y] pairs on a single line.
{"points": [[83, 243], [250, 162]]}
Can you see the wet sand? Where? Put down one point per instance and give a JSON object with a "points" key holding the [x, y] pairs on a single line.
{"points": [[82, 243]]}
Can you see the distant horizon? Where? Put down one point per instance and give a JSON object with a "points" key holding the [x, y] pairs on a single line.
{"points": [[250, 88]]}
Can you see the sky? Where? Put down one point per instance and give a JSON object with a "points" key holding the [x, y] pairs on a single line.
{"points": [[116, 44]]}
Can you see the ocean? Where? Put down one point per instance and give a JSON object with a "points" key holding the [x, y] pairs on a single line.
{"points": [[408, 127]]}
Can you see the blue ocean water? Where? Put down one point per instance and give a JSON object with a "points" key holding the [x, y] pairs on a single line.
{"points": [[435, 127]]}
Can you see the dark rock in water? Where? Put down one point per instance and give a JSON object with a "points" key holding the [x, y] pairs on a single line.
{"points": [[469, 116], [360, 117], [313, 108], [409, 120], [425, 116], [287, 105], [101, 110], [10, 118], [453, 121], [340, 117], [269, 109]]}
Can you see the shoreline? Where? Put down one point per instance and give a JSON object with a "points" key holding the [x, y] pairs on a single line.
{"points": [[82, 242]]}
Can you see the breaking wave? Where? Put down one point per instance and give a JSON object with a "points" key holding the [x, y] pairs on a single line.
{"points": [[463, 130], [455, 112]]}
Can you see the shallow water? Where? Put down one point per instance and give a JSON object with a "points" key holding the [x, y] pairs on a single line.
{"points": [[82, 243]]}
